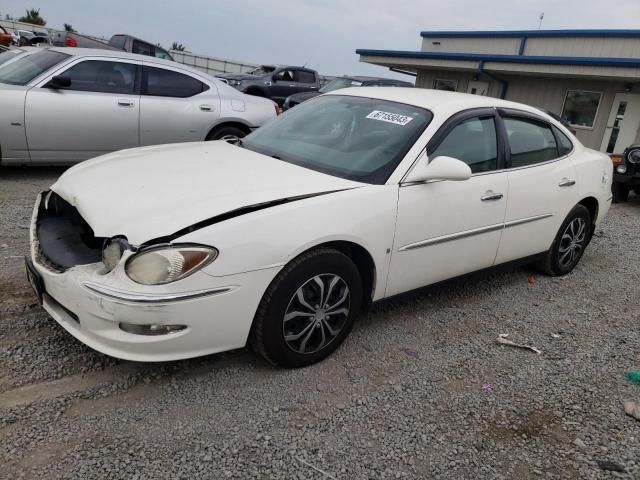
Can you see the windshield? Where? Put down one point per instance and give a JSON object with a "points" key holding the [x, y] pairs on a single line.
{"points": [[361, 139], [338, 83], [25, 69], [263, 70], [9, 55]]}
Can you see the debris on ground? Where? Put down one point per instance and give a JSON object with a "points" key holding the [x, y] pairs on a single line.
{"points": [[503, 340], [555, 335], [632, 409], [532, 280], [634, 376], [487, 386], [611, 466]]}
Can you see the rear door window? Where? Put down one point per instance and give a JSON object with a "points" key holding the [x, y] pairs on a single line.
{"points": [[473, 141], [103, 76], [142, 48], [530, 141], [304, 76], [118, 41], [167, 83]]}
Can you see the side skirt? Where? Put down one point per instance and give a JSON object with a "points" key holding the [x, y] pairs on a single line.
{"points": [[467, 276]]}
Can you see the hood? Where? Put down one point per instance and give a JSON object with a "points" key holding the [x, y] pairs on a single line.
{"points": [[151, 192]]}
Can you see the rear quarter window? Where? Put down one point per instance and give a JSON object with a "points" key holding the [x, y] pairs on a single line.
{"points": [[167, 83]]}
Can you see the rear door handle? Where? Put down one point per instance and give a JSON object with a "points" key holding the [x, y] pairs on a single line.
{"points": [[206, 108], [490, 195], [125, 103], [565, 182]]}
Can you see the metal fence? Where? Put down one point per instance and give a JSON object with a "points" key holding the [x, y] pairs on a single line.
{"points": [[211, 65]]}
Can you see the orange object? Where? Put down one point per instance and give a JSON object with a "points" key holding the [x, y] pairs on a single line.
{"points": [[532, 280], [5, 38], [616, 159]]}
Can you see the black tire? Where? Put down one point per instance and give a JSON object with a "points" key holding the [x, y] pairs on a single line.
{"points": [[554, 261], [636, 190], [281, 297], [226, 132], [620, 192]]}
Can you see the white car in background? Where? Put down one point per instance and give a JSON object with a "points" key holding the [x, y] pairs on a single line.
{"points": [[65, 105], [171, 252]]}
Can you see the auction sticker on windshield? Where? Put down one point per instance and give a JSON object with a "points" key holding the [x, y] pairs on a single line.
{"points": [[389, 117]]}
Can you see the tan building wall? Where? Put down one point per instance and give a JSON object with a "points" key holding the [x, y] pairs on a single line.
{"points": [[547, 93]]}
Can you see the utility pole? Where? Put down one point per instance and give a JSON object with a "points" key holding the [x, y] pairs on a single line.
{"points": [[541, 18]]}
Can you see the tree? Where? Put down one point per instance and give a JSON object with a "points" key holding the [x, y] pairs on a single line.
{"points": [[178, 46], [33, 17], [69, 28]]}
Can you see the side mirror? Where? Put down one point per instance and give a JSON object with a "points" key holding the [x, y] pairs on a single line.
{"points": [[440, 168], [59, 81]]}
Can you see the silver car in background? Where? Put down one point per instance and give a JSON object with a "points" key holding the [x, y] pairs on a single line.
{"points": [[65, 105]]}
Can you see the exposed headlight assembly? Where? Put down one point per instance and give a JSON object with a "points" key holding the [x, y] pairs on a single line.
{"points": [[166, 264], [112, 251]]}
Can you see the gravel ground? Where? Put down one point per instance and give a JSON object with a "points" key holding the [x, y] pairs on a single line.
{"points": [[419, 390]]}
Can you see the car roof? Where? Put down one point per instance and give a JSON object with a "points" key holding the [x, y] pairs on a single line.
{"points": [[99, 52], [434, 100]]}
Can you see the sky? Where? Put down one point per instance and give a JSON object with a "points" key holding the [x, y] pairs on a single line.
{"points": [[321, 34]]}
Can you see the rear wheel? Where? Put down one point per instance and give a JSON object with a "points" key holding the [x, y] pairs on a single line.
{"points": [[568, 246], [228, 133], [309, 309], [620, 192]]}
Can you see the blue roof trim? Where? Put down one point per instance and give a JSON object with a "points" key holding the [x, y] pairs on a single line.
{"points": [[533, 33], [478, 57]]}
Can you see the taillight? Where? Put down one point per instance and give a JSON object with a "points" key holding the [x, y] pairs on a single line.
{"points": [[277, 107], [70, 42]]}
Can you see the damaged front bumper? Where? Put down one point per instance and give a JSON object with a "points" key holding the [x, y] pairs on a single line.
{"points": [[100, 308]]}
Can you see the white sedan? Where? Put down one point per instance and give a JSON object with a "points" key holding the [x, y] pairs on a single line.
{"points": [[280, 240], [65, 105]]}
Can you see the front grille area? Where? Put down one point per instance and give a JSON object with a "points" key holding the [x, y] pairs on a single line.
{"points": [[65, 239]]}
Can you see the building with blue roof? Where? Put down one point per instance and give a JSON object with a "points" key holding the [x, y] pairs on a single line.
{"points": [[590, 78]]}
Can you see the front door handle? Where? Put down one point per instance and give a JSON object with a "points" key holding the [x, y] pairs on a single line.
{"points": [[565, 182], [125, 103], [491, 195], [206, 108]]}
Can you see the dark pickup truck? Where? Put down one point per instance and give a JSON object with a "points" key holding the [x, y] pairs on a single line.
{"points": [[117, 42], [276, 82], [626, 175]]}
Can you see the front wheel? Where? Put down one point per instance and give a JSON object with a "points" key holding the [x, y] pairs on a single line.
{"points": [[226, 133], [309, 309], [568, 246]]}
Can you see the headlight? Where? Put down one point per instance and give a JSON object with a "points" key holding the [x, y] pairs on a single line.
{"points": [[159, 265], [235, 83], [634, 156]]}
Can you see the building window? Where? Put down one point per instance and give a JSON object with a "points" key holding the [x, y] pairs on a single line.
{"points": [[581, 107], [447, 85]]}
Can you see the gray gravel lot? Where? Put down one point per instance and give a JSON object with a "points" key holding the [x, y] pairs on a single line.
{"points": [[419, 390]]}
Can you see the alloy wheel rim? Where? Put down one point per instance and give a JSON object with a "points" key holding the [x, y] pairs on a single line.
{"points": [[316, 314], [229, 138], [572, 242]]}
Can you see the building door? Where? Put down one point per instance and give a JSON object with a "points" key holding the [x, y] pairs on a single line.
{"points": [[478, 88], [623, 124]]}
